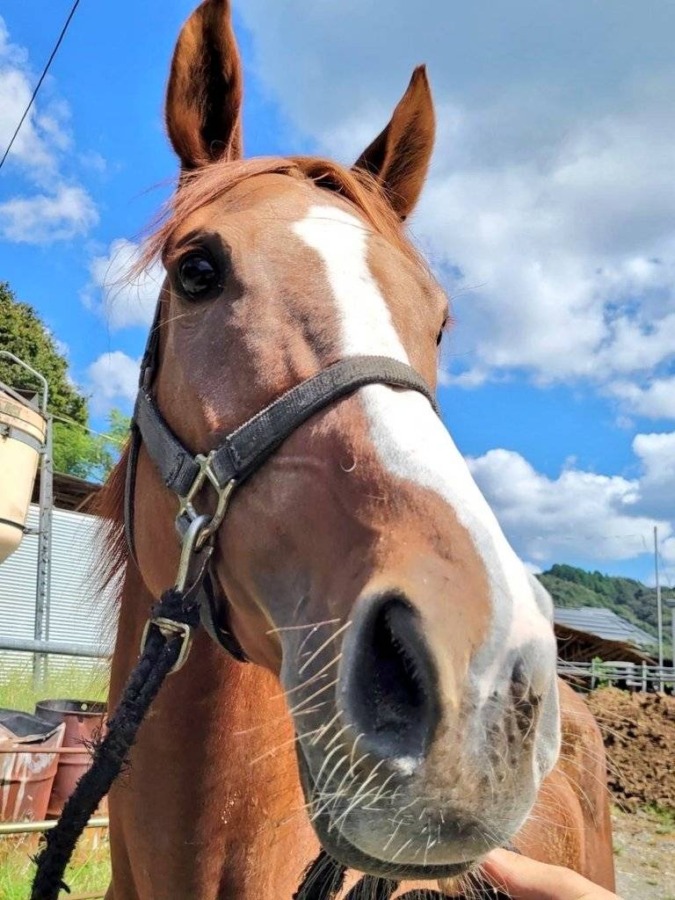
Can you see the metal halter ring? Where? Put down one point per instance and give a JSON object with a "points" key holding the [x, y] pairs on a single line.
{"points": [[194, 555], [186, 509], [193, 562]]}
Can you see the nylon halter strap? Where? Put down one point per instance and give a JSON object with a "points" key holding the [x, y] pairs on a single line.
{"points": [[238, 457]]}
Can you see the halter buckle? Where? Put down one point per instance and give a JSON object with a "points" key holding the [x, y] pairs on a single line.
{"points": [[171, 629], [186, 510]]}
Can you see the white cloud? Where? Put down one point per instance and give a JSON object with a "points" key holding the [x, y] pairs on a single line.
{"points": [[123, 300], [571, 254], [656, 400], [668, 553], [44, 131], [62, 209], [579, 515], [656, 453], [44, 219], [549, 206], [113, 379]]}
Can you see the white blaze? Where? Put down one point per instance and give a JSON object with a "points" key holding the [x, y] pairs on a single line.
{"points": [[411, 441]]}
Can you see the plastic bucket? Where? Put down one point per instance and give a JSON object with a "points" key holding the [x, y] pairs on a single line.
{"points": [[28, 765], [22, 435], [83, 720]]}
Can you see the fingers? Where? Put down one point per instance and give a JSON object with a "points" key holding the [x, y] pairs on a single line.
{"points": [[525, 879]]}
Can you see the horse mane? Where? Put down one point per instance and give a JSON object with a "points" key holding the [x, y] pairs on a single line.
{"points": [[108, 507], [198, 189]]}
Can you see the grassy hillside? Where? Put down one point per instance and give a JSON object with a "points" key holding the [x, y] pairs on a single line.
{"points": [[572, 588]]}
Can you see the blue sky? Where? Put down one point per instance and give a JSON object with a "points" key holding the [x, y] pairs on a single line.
{"points": [[548, 216]]}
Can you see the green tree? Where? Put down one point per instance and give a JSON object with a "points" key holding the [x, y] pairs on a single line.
{"points": [[76, 450], [23, 333], [79, 452], [573, 588]]}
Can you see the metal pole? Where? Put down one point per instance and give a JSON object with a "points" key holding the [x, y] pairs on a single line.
{"points": [[5, 354], [659, 609], [31, 827], [43, 587], [58, 648]]}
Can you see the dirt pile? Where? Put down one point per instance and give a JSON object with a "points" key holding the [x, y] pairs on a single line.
{"points": [[639, 735]]}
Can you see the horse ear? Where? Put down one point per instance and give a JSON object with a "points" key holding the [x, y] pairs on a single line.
{"points": [[399, 157], [203, 101]]}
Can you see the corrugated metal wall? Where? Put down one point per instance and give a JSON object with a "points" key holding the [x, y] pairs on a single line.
{"points": [[17, 587], [78, 613]]}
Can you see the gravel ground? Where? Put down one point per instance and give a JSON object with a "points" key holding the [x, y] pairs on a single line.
{"points": [[644, 856]]}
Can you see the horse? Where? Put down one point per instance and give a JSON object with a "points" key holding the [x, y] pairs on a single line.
{"points": [[399, 706]]}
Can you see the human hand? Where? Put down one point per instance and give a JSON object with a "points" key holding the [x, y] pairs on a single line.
{"points": [[525, 879]]}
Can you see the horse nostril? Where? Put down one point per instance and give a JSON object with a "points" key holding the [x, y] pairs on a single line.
{"points": [[391, 691], [525, 699]]}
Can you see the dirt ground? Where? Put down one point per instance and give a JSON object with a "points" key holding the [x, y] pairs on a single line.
{"points": [[639, 736], [644, 856]]}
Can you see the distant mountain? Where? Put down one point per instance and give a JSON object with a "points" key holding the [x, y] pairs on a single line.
{"points": [[572, 588]]}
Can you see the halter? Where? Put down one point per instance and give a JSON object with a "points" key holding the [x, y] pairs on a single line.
{"points": [[226, 468]]}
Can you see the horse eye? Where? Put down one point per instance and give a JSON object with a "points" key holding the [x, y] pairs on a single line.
{"points": [[441, 333], [197, 275]]}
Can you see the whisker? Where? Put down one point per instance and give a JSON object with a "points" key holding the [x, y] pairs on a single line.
{"points": [[302, 627], [401, 849], [325, 728], [275, 721], [335, 737], [324, 645], [312, 696], [309, 681], [283, 744]]}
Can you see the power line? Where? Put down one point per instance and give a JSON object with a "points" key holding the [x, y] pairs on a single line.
{"points": [[39, 84], [68, 421]]}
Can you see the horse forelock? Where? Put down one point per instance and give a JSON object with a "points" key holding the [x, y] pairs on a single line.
{"points": [[205, 185]]}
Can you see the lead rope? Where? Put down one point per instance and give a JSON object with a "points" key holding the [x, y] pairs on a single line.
{"points": [[161, 654]]}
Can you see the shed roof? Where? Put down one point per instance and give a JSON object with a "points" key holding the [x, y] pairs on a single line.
{"points": [[605, 624], [69, 492]]}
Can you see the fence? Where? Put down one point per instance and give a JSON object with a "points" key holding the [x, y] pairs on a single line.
{"points": [[625, 674]]}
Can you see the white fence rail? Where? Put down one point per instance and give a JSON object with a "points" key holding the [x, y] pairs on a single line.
{"points": [[641, 677]]}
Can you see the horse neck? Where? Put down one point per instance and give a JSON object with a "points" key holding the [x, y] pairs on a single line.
{"points": [[216, 751]]}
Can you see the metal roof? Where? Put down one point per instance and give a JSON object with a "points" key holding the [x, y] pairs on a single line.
{"points": [[69, 492], [603, 623]]}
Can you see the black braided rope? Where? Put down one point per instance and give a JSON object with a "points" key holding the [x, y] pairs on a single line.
{"points": [[158, 659], [371, 886], [322, 879]]}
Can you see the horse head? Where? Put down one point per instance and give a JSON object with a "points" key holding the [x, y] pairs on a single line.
{"points": [[361, 564]]}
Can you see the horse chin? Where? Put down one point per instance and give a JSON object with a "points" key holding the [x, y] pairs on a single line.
{"points": [[335, 843]]}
